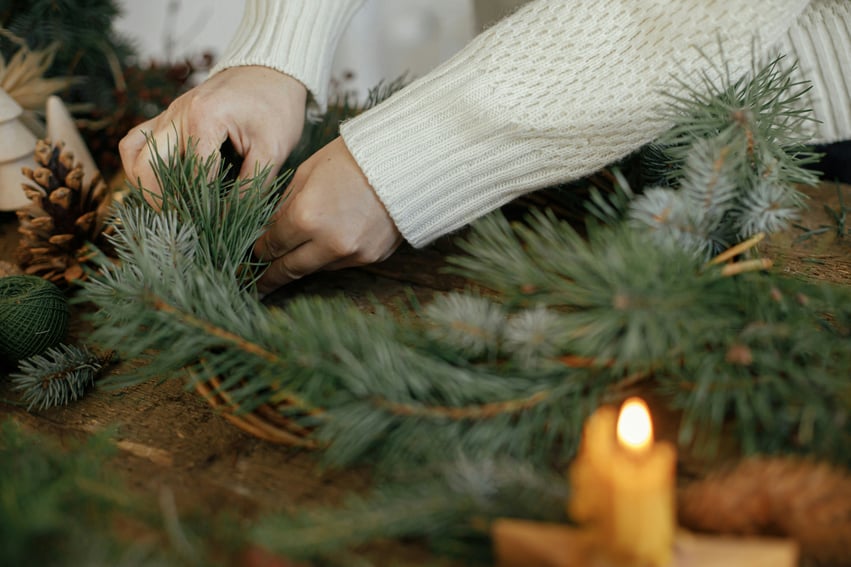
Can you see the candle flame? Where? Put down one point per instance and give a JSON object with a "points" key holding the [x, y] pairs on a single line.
{"points": [[635, 430]]}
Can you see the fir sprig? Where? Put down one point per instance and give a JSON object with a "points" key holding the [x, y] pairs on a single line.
{"points": [[729, 167], [185, 308], [60, 375], [398, 390], [475, 376], [764, 113], [62, 501], [57, 505], [443, 505]]}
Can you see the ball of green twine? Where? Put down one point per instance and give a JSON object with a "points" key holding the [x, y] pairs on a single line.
{"points": [[33, 316]]}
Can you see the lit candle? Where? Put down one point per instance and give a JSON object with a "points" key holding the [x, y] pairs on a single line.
{"points": [[622, 485]]}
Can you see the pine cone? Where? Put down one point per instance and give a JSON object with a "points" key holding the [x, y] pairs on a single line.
{"points": [[802, 500], [63, 218]]}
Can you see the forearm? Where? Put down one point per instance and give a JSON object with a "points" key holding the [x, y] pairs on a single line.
{"points": [[554, 92], [296, 37]]}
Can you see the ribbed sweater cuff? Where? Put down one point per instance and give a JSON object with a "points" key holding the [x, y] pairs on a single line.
{"points": [[820, 41], [551, 94], [437, 161], [296, 37]]}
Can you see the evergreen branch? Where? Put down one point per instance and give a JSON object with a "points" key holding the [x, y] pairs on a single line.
{"points": [[611, 208], [441, 505], [60, 375], [396, 515], [731, 161], [237, 342], [471, 374], [215, 331], [778, 372], [57, 505], [764, 111], [485, 411]]}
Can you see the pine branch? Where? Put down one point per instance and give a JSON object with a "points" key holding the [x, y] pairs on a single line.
{"points": [[730, 163], [441, 506], [403, 391], [778, 371], [61, 505], [58, 504], [60, 375], [472, 375], [723, 349], [763, 113]]}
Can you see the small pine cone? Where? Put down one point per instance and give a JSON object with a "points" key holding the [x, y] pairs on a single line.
{"points": [[797, 499], [64, 216]]}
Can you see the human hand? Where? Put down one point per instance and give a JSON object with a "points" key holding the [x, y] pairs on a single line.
{"points": [[259, 109], [330, 218]]}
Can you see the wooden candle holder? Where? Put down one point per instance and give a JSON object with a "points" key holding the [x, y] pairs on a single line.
{"points": [[520, 543]]}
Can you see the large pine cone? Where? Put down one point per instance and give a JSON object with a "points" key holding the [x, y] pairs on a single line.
{"points": [[63, 218], [809, 502]]}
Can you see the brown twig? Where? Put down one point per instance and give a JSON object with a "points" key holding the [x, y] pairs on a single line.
{"points": [[483, 411], [242, 344], [731, 253]]}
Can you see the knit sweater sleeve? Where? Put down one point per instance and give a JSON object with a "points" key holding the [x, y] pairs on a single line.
{"points": [[296, 37], [819, 42], [552, 93]]}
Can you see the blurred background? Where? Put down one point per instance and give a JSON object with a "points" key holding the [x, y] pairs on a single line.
{"points": [[385, 39], [117, 63]]}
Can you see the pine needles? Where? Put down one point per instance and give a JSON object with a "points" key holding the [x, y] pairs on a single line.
{"points": [[56, 504], [446, 505], [729, 167], [58, 376], [570, 320], [480, 376]]}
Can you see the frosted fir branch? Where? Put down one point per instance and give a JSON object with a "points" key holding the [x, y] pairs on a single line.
{"points": [[611, 207], [763, 112], [454, 499], [768, 207], [709, 178], [188, 182], [61, 375], [731, 160], [467, 322], [670, 220], [533, 337]]}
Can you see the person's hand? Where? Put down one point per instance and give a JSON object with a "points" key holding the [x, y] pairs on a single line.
{"points": [[330, 218], [259, 109]]}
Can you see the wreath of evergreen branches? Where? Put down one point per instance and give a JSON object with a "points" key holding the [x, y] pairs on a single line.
{"points": [[570, 321]]}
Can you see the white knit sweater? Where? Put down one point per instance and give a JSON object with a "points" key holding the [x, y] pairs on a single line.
{"points": [[552, 93]]}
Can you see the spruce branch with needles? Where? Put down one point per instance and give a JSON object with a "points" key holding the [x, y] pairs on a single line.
{"points": [[60, 375], [480, 374]]}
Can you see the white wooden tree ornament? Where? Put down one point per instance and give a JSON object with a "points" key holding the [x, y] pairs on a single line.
{"points": [[16, 151]]}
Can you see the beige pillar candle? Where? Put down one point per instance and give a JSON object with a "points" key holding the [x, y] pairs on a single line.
{"points": [[622, 486]]}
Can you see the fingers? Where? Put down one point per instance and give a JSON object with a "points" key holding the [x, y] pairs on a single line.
{"points": [[255, 161], [331, 219], [259, 109], [135, 150], [286, 234], [301, 261], [132, 144]]}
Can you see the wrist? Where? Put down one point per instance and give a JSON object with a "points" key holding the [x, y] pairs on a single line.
{"points": [[296, 37]]}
